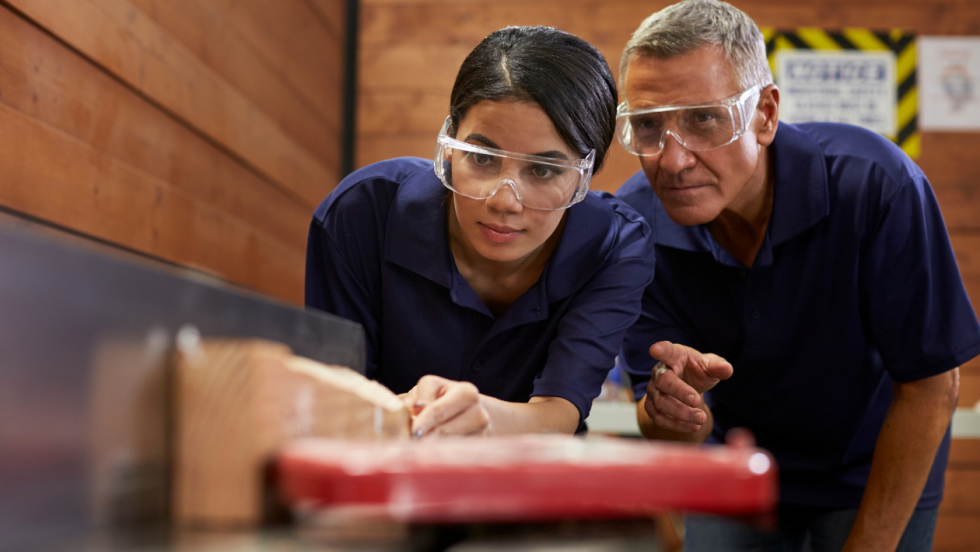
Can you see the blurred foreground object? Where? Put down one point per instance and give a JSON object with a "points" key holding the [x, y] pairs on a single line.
{"points": [[87, 334], [524, 478], [238, 401]]}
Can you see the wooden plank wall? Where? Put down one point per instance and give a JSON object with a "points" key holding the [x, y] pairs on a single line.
{"points": [[200, 133], [410, 51]]}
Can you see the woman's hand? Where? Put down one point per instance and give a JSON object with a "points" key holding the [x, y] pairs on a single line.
{"points": [[442, 407]]}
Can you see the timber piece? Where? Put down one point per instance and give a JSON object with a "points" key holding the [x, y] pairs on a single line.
{"points": [[43, 79], [54, 177], [238, 401], [289, 35], [127, 43], [209, 35]]}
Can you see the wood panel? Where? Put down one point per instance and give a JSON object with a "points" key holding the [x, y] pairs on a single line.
{"points": [[961, 496], [59, 178], [290, 35], [959, 514], [965, 454], [43, 79], [957, 533], [333, 14], [130, 45], [205, 31], [176, 129]]}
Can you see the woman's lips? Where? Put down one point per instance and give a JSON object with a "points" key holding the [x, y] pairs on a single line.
{"points": [[499, 234]]}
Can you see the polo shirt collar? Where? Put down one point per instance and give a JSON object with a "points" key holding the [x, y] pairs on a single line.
{"points": [[801, 197], [800, 200], [415, 236], [579, 253]]}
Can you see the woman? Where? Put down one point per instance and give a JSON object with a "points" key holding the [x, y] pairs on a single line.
{"points": [[494, 290]]}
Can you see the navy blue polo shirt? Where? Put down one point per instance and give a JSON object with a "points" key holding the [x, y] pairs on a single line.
{"points": [[855, 286], [378, 254]]}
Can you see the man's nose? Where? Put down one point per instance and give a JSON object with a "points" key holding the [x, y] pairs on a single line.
{"points": [[674, 157]]}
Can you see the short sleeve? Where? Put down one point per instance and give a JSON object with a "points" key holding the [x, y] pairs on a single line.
{"points": [[591, 331], [919, 316], [344, 254]]}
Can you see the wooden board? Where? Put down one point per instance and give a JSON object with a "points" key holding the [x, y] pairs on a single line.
{"points": [[957, 533], [333, 15], [237, 401], [55, 177], [289, 35], [43, 79], [130, 45], [960, 496], [964, 453], [208, 34]]}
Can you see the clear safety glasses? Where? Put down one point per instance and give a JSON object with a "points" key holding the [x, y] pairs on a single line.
{"points": [[696, 127], [478, 172]]}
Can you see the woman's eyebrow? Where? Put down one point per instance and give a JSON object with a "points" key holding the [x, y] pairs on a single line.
{"points": [[553, 154]]}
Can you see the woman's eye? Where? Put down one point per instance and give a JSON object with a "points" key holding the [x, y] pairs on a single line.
{"points": [[543, 172], [481, 158]]}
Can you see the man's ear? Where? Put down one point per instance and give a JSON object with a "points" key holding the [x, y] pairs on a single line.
{"points": [[767, 115]]}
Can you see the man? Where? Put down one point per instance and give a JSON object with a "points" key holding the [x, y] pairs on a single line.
{"points": [[814, 259]]}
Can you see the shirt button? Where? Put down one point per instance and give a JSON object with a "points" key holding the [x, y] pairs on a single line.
{"points": [[742, 274], [476, 366], [756, 314]]}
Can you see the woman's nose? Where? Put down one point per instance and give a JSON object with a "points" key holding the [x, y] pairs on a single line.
{"points": [[505, 197]]}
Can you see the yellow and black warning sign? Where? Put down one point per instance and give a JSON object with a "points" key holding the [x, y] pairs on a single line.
{"points": [[858, 76]]}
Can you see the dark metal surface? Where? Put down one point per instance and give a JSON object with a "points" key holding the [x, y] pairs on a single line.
{"points": [[84, 341]]}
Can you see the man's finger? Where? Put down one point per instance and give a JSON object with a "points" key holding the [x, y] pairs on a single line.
{"points": [[666, 421], [670, 406], [717, 367], [671, 354], [671, 384], [672, 424]]}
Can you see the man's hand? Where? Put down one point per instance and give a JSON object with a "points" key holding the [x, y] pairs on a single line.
{"points": [[673, 403], [444, 407]]}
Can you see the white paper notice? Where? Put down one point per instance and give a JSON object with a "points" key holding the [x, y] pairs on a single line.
{"points": [[949, 78], [854, 87]]}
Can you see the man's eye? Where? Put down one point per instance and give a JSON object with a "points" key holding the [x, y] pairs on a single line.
{"points": [[646, 124], [704, 117]]}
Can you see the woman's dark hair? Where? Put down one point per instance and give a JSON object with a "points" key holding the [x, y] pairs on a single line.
{"points": [[565, 75]]}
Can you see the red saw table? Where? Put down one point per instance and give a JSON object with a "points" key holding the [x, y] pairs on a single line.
{"points": [[525, 478]]}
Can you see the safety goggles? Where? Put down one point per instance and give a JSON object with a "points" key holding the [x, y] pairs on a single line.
{"points": [[697, 127], [478, 172]]}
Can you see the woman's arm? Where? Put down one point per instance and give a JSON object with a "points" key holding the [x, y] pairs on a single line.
{"points": [[444, 407]]}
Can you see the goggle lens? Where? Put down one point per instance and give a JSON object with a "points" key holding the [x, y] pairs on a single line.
{"points": [[697, 128], [538, 182]]}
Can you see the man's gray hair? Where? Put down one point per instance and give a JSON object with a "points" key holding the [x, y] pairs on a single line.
{"points": [[687, 26]]}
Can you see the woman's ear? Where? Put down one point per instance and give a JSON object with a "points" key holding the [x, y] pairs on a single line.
{"points": [[767, 115]]}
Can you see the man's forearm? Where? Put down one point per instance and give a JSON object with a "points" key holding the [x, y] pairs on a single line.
{"points": [[651, 430], [906, 448]]}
